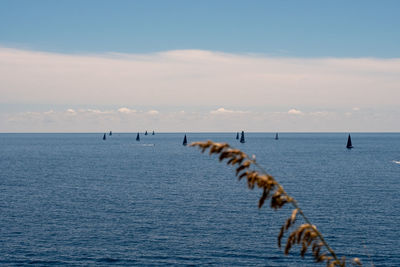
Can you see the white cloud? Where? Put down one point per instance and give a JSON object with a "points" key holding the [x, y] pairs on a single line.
{"points": [[97, 111], [221, 110], [126, 110], [153, 112], [356, 109], [226, 111], [295, 112]]}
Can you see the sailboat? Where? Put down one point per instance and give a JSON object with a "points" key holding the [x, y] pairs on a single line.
{"points": [[137, 137], [145, 133], [104, 137], [276, 136], [110, 133], [242, 138], [152, 133], [237, 136], [349, 144], [184, 141]]}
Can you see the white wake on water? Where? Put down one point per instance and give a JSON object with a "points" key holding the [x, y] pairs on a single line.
{"points": [[143, 144]]}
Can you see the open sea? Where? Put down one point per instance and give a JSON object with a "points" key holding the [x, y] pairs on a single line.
{"points": [[76, 200]]}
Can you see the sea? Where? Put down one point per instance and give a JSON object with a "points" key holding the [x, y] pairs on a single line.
{"points": [[75, 199]]}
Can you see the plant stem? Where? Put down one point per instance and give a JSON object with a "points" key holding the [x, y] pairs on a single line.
{"points": [[296, 205]]}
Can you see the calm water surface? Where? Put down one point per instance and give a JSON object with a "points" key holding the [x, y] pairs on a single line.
{"points": [[74, 199]]}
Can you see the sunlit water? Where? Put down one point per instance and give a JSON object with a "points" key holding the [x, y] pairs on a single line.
{"points": [[74, 199]]}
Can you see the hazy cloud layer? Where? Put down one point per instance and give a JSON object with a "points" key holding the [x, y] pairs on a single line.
{"points": [[239, 90], [130, 120]]}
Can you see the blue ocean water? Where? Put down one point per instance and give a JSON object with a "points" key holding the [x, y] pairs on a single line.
{"points": [[74, 199]]}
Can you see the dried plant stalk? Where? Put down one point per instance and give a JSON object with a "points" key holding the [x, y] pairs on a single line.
{"points": [[305, 235]]}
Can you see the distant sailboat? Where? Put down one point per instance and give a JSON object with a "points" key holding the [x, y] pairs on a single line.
{"points": [[349, 144], [242, 138], [152, 133], [137, 137], [110, 133], [276, 136], [104, 137], [237, 136], [145, 133], [184, 141]]}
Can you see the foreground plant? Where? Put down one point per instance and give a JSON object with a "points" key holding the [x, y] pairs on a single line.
{"points": [[305, 235]]}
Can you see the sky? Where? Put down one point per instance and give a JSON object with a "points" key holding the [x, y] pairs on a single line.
{"points": [[181, 66]]}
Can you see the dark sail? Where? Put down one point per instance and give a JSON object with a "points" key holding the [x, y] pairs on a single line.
{"points": [[349, 144], [104, 137], [237, 136], [184, 141], [276, 136], [242, 138], [137, 137], [152, 133], [110, 133], [145, 133]]}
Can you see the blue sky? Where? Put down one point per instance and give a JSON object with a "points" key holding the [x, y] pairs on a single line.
{"points": [[76, 66], [278, 28]]}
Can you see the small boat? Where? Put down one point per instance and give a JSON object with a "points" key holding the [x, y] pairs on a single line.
{"points": [[104, 137], [152, 133], [110, 133], [184, 141], [145, 133], [137, 137], [237, 136], [349, 144], [276, 136], [242, 138]]}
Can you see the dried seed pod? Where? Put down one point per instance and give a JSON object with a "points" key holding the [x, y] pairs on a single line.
{"points": [[280, 236], [316, 245], [316, 252], [263, 197], [293, 217], [242, 175], [251, 179], [278, 200], [213, 149], [356, 261], [303, 249], [288, 223], [244, 165], [230, 161], [239, 169], [237, 161], [224, 155], [290, 241], [321, 257]]}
